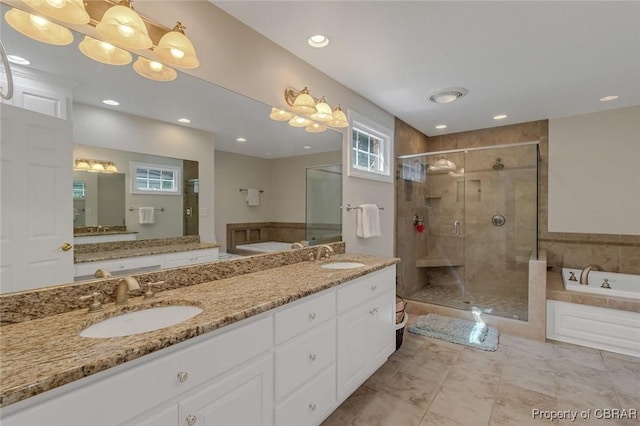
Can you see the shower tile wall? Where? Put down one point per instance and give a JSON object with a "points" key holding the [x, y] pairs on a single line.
{"points": [[619, 253]]}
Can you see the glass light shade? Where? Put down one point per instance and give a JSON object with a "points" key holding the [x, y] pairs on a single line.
{"points": [[121, 25], [111, 168], [70, 11], [299, 122], [38, 28], [82, 165], [154, 70], [96, 167], [304, 103], [104, 52], [280, 114], [324, 111], [315, 128], [339, 118], [174, 48]]}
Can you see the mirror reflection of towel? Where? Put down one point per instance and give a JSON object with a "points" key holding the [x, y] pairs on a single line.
{"points": [[368, 221], [253, 197], [146, 215]]}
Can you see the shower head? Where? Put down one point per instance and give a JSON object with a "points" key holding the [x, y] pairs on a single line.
{"points": [[498, 164]]}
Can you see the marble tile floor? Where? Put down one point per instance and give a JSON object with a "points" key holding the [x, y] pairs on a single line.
{"points": [[432, 382], [504, 306]]}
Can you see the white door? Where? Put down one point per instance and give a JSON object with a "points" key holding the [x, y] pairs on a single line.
{"points": [[36, 212]]}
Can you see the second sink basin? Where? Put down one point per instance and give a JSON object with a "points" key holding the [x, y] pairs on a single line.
{"points": [[140, 321], [342, 265]]}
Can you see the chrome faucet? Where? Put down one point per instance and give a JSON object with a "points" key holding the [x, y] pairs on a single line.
{"points": [[320, 249], [584, 275], [125, 285]]}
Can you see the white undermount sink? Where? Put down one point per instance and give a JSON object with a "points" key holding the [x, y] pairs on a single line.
{"points": [[140, 321], [342, 265]]}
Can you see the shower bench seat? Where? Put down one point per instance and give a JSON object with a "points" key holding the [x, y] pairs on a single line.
{"points": [[436, 262]]}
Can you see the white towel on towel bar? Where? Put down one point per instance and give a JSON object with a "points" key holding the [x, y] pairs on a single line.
{"points": [[146, 215], [368, 221], [253, 197]]}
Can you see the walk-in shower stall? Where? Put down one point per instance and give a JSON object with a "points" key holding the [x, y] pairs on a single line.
{"points": [[467, 227], [323, 201]]}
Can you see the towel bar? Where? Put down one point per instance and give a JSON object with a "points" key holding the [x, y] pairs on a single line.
{"points": [[350, 207], [245, 190], [137, 208]]}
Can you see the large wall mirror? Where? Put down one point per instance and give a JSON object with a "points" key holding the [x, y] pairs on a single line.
{"points": [[235, 144]]}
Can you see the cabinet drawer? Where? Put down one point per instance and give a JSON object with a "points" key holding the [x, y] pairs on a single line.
{"points": [[309, 404], [119, 266], [303, 316], [365, 288], [304, 357], [193, 257]]}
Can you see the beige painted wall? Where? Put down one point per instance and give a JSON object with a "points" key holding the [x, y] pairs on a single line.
{"points": [[99, 127], [594, 173], [282, 180]]}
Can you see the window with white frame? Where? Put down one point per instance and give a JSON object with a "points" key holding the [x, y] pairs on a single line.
{"points": [[370, 148], [79, 189], [155, 179]]}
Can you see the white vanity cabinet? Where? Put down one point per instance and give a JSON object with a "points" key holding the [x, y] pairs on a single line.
{"points": [[136, 264], [366, 328], [291, 366]]}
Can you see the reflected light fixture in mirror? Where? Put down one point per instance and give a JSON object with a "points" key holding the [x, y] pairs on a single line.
{"points": [[38, 28], [104, 52], [121, 25], [297, 121], [315, 128], [95, 166], [154, 70], [69, 11], [280, 114], [176, 49]]}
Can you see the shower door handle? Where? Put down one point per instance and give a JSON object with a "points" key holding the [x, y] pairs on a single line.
{"points": [[456, 228]]}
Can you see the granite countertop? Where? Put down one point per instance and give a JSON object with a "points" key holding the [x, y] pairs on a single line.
{"points": [[556, 291], [42, 354], [140, 251]]}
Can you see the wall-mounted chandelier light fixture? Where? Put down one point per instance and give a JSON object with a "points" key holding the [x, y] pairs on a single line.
{"points": [[312, 114], [94, 166], [118, 25]]}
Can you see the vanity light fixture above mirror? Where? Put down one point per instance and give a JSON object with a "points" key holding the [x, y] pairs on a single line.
{"points": [[118, 25], [312, 114]]}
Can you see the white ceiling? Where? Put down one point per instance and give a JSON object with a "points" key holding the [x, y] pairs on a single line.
{"points": [[530, 60]]}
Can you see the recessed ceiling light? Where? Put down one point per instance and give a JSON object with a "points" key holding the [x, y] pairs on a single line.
{"points": [[19, 60], [110, 102], [307, 147], [318, 40], [445, 96], [184, 120], [500, 117], [441, 126], [609, 98], [241, 139]]}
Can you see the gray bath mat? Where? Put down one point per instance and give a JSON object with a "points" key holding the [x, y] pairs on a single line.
{"points": [[463, 332]]}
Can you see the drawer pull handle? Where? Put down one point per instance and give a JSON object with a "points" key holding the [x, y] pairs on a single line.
{"points": [[191, 419], [312, 406], [374, 287], [183, 376], [312, 357], [312, 315]]}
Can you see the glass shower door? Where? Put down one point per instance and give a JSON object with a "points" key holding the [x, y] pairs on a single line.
{"points": [[323, 201]]}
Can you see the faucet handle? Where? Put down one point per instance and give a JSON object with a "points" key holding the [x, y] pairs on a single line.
{"points": [[95, 306], [150, 293]]}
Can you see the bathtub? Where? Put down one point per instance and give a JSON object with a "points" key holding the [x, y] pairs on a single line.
{"points": [[265, 247], [622, 285], [600, 327]]}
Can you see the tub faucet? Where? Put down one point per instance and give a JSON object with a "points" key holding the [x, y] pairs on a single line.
{"points": [[297, 246], [320, 249], [125, 285], [584, 275]]}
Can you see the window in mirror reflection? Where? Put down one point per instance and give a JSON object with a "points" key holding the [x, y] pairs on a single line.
{"points": [[79, 189], [155, 178]]}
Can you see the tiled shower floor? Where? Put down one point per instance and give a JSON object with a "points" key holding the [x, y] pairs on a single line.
{"points": [[453, 297]]}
